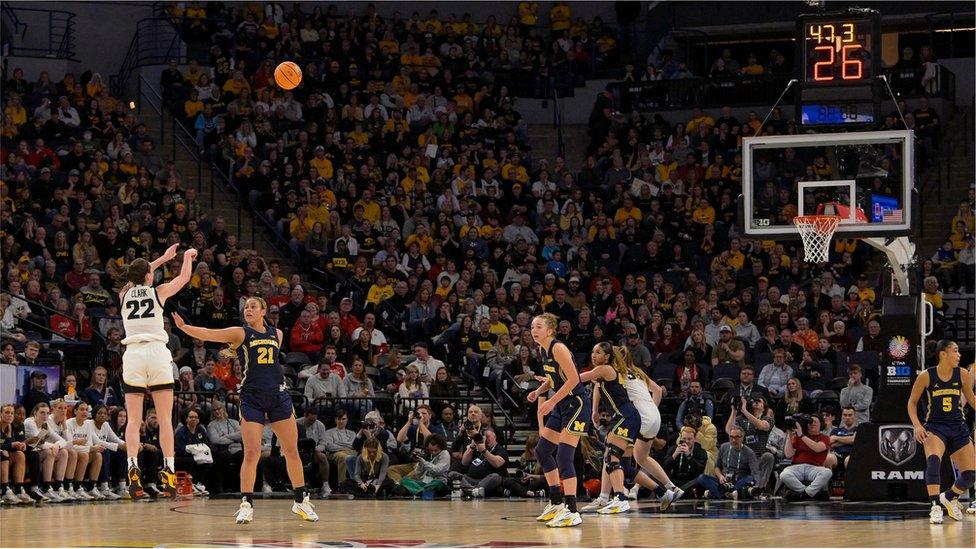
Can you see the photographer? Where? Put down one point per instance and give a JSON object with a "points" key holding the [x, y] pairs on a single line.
{"points": [[756, 421], [695, 401], [806, 477], [686, 460], [431, 470], [373, 427], [469, 429], [484, 462], [734, 472], [411, 438], [372, 467]]}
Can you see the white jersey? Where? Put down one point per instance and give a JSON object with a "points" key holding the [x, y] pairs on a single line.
{"points": [[640, 395], [142, 316]]}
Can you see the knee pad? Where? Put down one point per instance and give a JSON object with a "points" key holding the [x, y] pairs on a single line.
{"points": [[933, 467], [966, 479], [544, 453], [613, 458], [565, 460]]}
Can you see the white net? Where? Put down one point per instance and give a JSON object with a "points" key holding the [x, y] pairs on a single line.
{"points": [[816, 232]]}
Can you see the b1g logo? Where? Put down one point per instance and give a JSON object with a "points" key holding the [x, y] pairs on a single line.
{"points": [[898, 347], [900, 370]]}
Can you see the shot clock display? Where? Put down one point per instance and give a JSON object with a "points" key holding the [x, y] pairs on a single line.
{"points": [[838, 50], [839, 56]]}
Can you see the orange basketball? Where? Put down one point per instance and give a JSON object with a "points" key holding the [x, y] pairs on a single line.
{"points": [[288, 75]]}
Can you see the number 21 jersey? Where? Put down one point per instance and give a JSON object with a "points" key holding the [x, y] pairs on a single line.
{"points": [[142, 316]]}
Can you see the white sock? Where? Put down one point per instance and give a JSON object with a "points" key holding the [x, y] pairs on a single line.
{"points": [[170, 463], [133, 462]]}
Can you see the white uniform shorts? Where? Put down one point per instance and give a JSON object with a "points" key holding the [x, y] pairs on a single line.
{"points": [[147, 365], [650, 420]]}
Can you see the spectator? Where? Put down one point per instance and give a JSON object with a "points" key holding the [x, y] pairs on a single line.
{"points": [[484, 464], [857, 395], [38, 392], [807, 447], [728, 349], [359, 386], [696, 401], [427, 365], [310, 429], [325, 384], [842, 439], [775, 375], [225, 439], [193, 451], [872, 340], [795, 401], [339, 442]]}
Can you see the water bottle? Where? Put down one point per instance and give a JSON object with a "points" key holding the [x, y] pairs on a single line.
{"points": [[456, 489]]}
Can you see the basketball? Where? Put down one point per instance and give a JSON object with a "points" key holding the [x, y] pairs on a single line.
{"points": [[288, 75]]}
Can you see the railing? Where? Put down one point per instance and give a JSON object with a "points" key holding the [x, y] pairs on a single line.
{"points": [[751, 90], [155, 42], [395, 412], [59, 32], [183, 138]]}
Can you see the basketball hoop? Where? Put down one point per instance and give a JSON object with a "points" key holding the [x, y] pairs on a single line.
{"points": [[816, 232]]}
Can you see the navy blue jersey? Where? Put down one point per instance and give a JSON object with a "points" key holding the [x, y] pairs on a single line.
{"points": [[945, 398], [555, 375], [615, 394], [259, 356]]}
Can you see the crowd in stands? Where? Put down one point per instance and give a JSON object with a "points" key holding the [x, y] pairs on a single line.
{"points": [[423, 236]]}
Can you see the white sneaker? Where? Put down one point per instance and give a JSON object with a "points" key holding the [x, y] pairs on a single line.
{"points": [[614, 506], [123, 492], [202, 489], [95, 493], [632, 493], [305, 510], [595, 505], [64, 495], [972, 508], [266, 488], [326, 491], [109, 494], [9, 497], [245, 513], [25, 497], [83, 495], [952, 507], [935, 514], [39, 494], [52, 495], [565, 519], [73, 495], [478, 492], [550, 512], [670, 497]]}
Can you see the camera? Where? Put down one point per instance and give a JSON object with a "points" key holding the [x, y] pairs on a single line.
{"points": [[478, 438], [468, 425], [802, 420], [369, 425]]}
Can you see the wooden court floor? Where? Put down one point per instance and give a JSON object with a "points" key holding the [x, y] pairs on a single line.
{"points": [[497, 523]]}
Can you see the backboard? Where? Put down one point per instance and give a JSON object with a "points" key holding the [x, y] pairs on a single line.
{"points": [[866, 178]]}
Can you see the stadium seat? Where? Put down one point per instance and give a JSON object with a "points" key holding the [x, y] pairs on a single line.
{"points": [[728, 370], [721, 387], [663, 370]]}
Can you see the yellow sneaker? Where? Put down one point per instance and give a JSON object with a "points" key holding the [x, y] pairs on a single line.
{"points": [[167, 481], [135, 483], [550, 512]]}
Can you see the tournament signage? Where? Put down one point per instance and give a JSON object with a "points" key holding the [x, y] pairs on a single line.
{"points": [[899, 360]]}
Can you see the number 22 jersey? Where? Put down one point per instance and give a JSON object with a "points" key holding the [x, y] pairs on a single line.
{"points": [[142, 316]]}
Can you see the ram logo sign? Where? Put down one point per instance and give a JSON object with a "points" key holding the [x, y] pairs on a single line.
{"points": [[896, 443]]}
